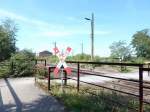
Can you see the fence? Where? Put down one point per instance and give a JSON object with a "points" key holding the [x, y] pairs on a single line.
{"points": [[140, 82]]}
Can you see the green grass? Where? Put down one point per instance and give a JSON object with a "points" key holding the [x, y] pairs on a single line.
{"points": [[103, 101], [85, 102]]}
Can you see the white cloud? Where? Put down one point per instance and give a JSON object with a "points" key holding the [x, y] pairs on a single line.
{"points": [[32, 22], [71, 18], [66, 33], [56, 33], [102, 32], [48, 29], [4, 13]]}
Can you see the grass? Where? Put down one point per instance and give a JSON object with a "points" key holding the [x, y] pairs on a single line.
{"points": [[102, 101], [85, 102]]}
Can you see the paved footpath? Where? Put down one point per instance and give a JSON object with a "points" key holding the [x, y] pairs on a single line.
{"points": [[21, 95]]}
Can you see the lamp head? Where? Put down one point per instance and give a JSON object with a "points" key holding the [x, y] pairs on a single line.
{"points": [[87, 18]]}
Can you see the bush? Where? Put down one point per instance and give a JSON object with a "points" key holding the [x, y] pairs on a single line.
{"points": [[5, 69], [138, 60], [41, 71], [23, 63], [53, 59], [80, 57]]}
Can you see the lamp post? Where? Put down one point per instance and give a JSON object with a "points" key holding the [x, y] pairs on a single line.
{"points": [[92, 35]]}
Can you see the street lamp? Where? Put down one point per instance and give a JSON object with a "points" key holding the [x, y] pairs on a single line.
{"points": [[92, 35]]}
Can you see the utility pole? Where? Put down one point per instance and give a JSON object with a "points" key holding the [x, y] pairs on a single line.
{"points": [[82, 48], [55, 47], [92, 35]]}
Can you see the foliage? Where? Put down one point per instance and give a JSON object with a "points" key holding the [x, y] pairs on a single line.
{"points": [[121, 50], [53, 59], [41, 71], [5, 69], [80, 57], [140, 60], [141, 43], [7, 39], [97, 59], [23, 62]]}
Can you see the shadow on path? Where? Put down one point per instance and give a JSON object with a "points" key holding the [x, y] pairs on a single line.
{"points": [[42, 102], [1, 103], [15, 97]]}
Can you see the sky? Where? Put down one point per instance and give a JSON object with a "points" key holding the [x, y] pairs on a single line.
{"points": [[42, 22]]}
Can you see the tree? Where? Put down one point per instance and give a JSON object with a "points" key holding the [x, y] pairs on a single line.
{"points": [[121, 50], [7, 39], [141, 43]]}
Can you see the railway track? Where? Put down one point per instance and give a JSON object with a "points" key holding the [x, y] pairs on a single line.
{"points": [[131, 87], [121, 84]]}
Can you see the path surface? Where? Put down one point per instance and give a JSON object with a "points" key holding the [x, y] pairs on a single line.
{"points": [[21, 95]]}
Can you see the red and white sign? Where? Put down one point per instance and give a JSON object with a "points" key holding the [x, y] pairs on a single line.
{"points": [[62, 63]]}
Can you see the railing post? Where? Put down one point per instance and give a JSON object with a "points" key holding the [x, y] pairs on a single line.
{"points": [[49, 73], [148, 67], [141, 88], [65, 78], [36, 62], [12, 67], [78, 76], [121, 67], [45, 62]]}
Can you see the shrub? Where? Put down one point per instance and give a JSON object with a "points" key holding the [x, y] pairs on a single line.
{"points": [[138, 60], [53, 59], [23, 62], [41, 71], [80, 57], [5, 69]]}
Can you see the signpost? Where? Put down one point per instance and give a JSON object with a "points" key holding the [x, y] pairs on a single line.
{"points": [[62, 64]]}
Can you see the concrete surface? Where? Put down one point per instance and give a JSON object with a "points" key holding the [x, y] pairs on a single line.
{"points": [[21, 95]]}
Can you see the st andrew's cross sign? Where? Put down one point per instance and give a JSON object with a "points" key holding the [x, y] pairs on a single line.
{"points": [[62, 63]]}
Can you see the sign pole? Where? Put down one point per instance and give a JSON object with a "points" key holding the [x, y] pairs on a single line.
{"points": [[62, 79]]}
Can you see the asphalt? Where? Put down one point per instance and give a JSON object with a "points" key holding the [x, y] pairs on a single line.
{"points": [[21, 95]]}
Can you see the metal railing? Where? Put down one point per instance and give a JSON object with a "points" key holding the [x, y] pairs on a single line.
{"points": [[79, 71]]}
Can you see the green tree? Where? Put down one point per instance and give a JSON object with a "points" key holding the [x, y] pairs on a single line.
{"points": [[7, 39], [121, 50], [141, 43]]}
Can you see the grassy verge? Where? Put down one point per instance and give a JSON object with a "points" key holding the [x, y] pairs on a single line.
{"points": [[100, 101]]}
